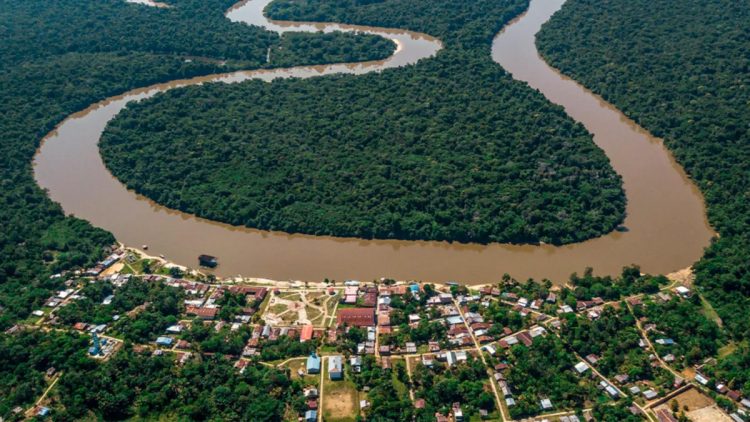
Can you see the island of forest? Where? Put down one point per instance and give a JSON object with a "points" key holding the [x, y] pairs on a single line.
{"points": [[451, 148]]}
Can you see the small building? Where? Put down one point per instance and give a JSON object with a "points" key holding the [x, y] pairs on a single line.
{"points": [[335, 368], [313, 364], [701, 379], [546, 404], [306, 334], [202, 313], [357, 317], [311, 416], [581, 367], [356, 363], [174, 329], [164, 341]]}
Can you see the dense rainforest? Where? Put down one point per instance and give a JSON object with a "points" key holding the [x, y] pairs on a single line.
{"points": [[54, 61], [682, 71], [451, 148], [56, 58]]}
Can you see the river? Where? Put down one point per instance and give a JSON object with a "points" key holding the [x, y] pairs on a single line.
{"points": [[666, 216]]}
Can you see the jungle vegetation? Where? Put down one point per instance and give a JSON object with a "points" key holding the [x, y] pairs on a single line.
{"points": [[56, 58], [682, 71], [449, 149]]}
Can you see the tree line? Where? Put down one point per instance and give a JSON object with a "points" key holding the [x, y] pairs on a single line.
{"points": [[449, 149], [681, 70]]}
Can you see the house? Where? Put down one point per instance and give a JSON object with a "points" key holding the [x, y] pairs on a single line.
{"points": [[546, 404], [450, 357], [419, 404], [357, 317], [622, 378], [581, 367], [701, 379], [313, 364], [202, 313], [635, 301], [385, 363], [525, 338], [537, 331], [356, 363], [306, 334], [335, 368], [164, 341], [650, 394], [174, 329], [310, 393], [490, 349], [411, 348], [454, 320], [311, 416], [682, 291], [612, 391]]}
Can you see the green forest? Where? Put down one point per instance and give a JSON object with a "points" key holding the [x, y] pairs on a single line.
{"points": [[449, 149], [53, 63], [682, 71], [56, 58]]}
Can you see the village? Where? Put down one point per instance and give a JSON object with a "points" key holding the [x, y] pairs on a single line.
{"points": [[501, 352]]}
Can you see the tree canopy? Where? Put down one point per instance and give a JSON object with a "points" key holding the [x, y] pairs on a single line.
{"points": [[451, 148]]}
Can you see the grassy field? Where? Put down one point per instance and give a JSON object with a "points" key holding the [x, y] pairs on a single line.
{"points": [[340, 399]]}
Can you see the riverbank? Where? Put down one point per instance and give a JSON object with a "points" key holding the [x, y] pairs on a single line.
{"points": [[666, 223]]}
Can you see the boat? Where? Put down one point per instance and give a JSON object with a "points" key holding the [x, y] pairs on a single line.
{"points": [[208, 261]]}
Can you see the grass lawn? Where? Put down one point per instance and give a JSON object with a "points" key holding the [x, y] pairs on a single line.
{"points": [[314, 315]]}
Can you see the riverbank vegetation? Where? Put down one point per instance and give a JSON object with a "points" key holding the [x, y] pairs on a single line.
{"points": [[682, 71], [449, 149], [58, 57]]}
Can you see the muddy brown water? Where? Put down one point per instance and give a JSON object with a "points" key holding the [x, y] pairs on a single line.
{"points": [[667, 226]]}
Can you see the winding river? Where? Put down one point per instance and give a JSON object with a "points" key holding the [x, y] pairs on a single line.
{"points": [[666, 219]]}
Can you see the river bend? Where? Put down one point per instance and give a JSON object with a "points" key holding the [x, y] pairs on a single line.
{"points": [[666, 219]]}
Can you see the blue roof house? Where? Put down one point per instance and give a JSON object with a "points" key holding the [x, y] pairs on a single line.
{"points": [[311, 416], [313, 364]]}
